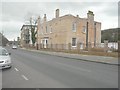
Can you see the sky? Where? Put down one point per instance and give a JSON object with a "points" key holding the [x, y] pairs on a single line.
{"points": [[14, 14]]}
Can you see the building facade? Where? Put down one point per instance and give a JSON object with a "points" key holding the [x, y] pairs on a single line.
{"points": [[3, 40], [69, 29], [26, 35]]}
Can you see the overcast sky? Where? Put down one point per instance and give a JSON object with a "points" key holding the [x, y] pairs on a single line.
{"points": [[14, 14]]}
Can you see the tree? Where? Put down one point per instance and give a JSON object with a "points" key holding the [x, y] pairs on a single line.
{"points": [[112, 35], [32, 19], [33, 24]]}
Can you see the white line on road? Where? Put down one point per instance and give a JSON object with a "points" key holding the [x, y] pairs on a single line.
{"points": [[16, 69], [82, 69], [25, 77]]}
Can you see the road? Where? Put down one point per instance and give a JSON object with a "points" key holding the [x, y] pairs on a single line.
{"points": [[37, 70]]}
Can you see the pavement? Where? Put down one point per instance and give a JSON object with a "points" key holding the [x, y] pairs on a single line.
{"points": [[89, 58]]}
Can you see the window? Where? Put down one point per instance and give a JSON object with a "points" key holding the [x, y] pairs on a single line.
{"points": [[84, 29], [74, 27], [73, 42], [50, 30], [81, 45]]}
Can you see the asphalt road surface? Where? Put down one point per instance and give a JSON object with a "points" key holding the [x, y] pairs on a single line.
{"points": [[36, 70]]}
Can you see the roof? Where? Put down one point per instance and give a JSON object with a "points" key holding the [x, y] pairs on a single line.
{"points": [[63, 17], [28, 26]]}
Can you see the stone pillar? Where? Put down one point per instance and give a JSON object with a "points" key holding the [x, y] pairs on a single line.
{"points": [[105, 45]]}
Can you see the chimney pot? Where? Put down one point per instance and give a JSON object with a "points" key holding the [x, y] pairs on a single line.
{"points": [[57, 13], [44, 17], [90, 15], [78, 16]]}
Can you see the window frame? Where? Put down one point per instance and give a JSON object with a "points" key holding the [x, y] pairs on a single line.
{"points": [[74, 27], [84, 29], [75, 42]]}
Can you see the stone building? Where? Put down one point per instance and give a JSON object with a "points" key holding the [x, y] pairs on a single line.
{"points": [[3, 40], [69, 29], [26, 35]]}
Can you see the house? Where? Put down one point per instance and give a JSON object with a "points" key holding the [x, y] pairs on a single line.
{"points": [[69, 29], [26, 35]]}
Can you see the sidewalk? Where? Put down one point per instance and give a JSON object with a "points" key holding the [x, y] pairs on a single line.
{"points": [[90, 58]]}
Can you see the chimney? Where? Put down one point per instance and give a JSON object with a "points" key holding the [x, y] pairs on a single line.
{"points": [[90, 15], [77, 16], [57, 13], [44, 17]]}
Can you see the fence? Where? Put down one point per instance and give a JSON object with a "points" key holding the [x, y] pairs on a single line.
{"points": [[103, 47], [90, 49]]}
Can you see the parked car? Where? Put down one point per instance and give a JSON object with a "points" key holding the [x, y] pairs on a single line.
{"points": [[5, 59], [14, 47]]}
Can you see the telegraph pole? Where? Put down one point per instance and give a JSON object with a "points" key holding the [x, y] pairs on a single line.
{"points": [[87, 37], [38, 28]]}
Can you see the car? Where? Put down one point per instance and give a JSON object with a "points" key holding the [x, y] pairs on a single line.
{"points": [[5, 59], [14, 47]]}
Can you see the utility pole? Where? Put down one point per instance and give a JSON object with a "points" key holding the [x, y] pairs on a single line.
{"points": [[87, 36], [38, 28]]}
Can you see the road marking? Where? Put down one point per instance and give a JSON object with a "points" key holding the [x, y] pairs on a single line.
{"points": [[16, 69], [82, 69], [25, 77]]}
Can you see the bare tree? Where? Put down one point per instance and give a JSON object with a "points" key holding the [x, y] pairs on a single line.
{"points": [[32, 20], [33, 25]]}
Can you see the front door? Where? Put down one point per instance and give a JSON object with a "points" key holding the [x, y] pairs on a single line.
{"points": [[45, 43]]}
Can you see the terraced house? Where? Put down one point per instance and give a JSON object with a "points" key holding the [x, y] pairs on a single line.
{"points": [[69, 30]]}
